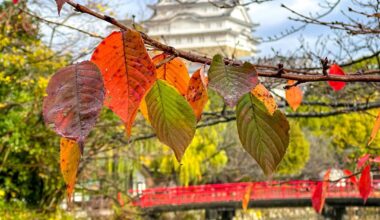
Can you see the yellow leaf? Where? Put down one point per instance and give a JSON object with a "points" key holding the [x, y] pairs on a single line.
{"points": [[264, 96], [375, 129], [246, 197], [70, 156], [293, 95], [144, 109]]}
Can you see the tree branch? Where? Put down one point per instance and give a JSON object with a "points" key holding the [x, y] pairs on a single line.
{"points": [[291, 73]]}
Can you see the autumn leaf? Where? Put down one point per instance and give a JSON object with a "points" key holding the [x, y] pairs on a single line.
{"points": [[264, 136], [197, 93], [74, 99], [231, 82], [365, 183], [247, 197], [293, 95], [375, 129], [262, 94], [336, 70], [60, 4], [319, 194], [128, 73], [376, 159], [120, 199], [174, 72], [15, 1], [362, 160], [70, 157], [351, 176], [144, 109], [171, 116]]}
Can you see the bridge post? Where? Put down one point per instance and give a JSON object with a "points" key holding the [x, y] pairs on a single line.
{"points": [[334, 212], [219, 214]]}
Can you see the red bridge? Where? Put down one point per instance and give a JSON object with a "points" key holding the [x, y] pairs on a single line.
{"points": [[264, 194]]}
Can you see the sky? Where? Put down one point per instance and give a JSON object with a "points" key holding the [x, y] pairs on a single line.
{"points": [[271, 17]]}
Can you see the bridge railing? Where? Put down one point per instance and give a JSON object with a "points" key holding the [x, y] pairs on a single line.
{"points": [[232, 192]]}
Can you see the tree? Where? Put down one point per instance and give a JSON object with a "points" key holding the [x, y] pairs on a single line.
{"points": [[28, 162], [172, 116]]}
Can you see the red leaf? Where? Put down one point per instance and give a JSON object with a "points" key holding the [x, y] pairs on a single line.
{"points": [[128, 73], [60, 3], [15, 1], [362, 160], [352, 177], [74, 99], [365, 183], [376, 159], [319, 195], [336, 70]]}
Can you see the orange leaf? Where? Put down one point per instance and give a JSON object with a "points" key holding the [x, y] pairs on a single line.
{"points": [[120, 199], [247, 197], [69, 156], [197, 93], [336, 70], [362, 160], [293, 95], [174, 72], [128, 73], [375, 129], [365, 183], [319, 195], [264, 96]]}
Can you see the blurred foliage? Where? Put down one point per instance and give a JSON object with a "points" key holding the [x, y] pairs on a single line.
{"points": [[297, 154], [28, 158]]}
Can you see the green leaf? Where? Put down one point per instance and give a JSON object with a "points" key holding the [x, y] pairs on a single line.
{"points": [[171, 117], [263, 136], [231, 82]]}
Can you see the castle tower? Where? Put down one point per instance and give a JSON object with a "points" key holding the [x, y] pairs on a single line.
{"points": [[199, 26]]}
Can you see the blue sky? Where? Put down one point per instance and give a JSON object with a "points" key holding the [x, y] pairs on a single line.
{"points": [[270, 16]]}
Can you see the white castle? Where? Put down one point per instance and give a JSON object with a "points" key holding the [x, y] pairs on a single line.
{"points": [[202, 27]]}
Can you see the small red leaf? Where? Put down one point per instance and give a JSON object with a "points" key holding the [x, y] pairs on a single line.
{"points": [[336, 70], [352, 177], [362, 160], [60, 3], [319, 195], [376, 159], [365, 183], [15, 1]]}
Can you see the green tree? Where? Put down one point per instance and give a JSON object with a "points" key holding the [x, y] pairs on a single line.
{"points": [[28, 151]]}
